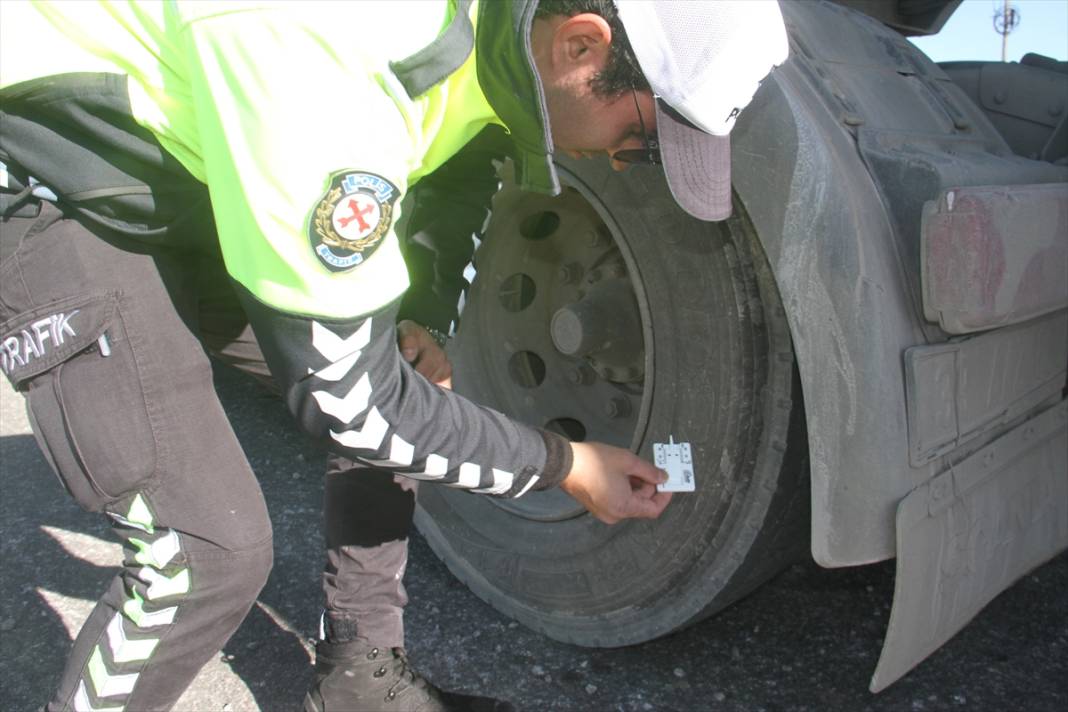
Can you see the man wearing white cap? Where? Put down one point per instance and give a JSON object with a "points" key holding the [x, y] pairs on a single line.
{"points": [[226, 177], [701, 63], [669, 96]]}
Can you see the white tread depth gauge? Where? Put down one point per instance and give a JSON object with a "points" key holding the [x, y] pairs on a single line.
{"points": [[677, 460]]}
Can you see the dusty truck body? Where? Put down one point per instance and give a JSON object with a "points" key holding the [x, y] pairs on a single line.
{"points": [[869, 358]]}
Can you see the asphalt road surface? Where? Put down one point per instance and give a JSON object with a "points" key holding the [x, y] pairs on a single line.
{"points": [[808, 640]]}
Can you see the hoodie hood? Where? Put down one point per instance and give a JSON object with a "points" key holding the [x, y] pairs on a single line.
{"points": [[510, 81]]}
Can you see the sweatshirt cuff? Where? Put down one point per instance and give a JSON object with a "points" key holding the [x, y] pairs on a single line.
{"points": [[426, 309], [558, 460]]}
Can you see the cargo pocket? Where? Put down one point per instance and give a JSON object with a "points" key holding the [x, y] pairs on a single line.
{"points": [[72, 360]]}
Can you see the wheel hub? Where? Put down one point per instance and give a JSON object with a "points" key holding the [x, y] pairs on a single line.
{"points": [[552, 333]]}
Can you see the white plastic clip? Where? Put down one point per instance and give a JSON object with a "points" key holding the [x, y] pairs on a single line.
{"points": [[677, 460]]}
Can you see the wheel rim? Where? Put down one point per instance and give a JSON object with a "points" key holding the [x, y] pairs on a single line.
{"points": [[555, 328]]}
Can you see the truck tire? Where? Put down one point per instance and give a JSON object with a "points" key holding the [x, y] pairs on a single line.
{"points": [[607, 313]]}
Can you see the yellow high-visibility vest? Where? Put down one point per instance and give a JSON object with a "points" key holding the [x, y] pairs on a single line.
{"points": [[289, 112]]}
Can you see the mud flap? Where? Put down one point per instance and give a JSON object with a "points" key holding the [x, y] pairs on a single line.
{"points": [[969, 533]]}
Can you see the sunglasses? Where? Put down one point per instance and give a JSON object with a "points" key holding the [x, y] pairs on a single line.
{"points": [[650, 154]]}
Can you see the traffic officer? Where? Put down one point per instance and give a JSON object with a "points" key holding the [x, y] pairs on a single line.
{"points": [[227, 176]]}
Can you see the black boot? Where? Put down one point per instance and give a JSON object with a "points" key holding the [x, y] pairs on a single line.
{"points": [[357, 677]]}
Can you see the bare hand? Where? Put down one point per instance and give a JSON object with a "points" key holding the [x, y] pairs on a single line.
{"points": [[615, 484], [418, 348]]}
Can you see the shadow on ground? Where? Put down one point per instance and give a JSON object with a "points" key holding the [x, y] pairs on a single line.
{"points": [[808, 640]]}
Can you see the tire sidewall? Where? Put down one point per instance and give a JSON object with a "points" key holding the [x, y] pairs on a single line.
{"points": [[707, 345]]}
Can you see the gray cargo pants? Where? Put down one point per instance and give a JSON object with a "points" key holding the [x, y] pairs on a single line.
{"points": [[106, 340]]}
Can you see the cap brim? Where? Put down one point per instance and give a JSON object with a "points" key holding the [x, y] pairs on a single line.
{"points": [[697, 166]]}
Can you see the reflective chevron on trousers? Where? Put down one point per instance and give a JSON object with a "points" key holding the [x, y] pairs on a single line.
{"points": [[106, 684], [135, 611], [161, 585], [138, 516], [158, 553], [123, 649], [82, 704]]}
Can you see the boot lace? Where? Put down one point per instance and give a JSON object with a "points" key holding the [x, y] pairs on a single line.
{"points": [[407, 677]]}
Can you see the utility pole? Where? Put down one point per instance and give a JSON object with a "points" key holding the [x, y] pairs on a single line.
{"points": [[1005, 35], [1005, 21]]}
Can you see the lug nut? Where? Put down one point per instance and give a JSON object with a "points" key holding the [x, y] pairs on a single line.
{"points": [[570, 273], [617, 408], [580, 375]]}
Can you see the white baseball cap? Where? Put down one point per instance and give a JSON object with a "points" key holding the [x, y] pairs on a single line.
{"points": [[704, 60]]}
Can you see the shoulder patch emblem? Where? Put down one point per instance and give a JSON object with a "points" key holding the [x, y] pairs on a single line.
{"points": [[351, 218]]}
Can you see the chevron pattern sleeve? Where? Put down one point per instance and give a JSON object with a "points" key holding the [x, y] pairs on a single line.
{"points": [[348, 387]]}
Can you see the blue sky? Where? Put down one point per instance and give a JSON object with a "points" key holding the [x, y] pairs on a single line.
{"points": [[970, 34]]}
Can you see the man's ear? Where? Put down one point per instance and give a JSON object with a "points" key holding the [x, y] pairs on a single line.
{"points": [[581, 41]]}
